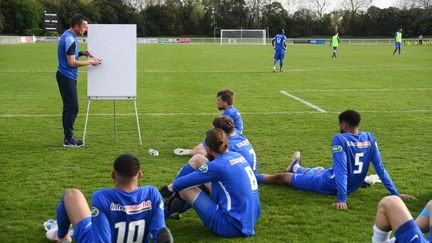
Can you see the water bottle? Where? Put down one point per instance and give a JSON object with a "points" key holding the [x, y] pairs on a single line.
{"points": [[153, 152]]}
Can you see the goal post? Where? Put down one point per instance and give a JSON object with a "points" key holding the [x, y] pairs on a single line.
{"points": [[243, 36]]}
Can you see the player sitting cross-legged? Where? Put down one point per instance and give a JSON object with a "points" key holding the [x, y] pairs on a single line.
{"points": [[353, 151], [225, 102], [127, 213], [233, 206]]}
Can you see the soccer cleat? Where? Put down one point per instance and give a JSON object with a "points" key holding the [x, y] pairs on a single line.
{"points": [[51, 232], [174, 206], [295, 161], [165, 192], [274, 69], [282, 71], [73, 143], [164, 235], [182, 152]]}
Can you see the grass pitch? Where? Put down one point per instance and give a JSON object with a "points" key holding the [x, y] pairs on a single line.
{"points": [[176, 100]]}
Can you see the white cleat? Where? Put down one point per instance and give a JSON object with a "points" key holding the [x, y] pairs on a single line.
{"points": [[182, 152], [51, 232], [296, 159]]}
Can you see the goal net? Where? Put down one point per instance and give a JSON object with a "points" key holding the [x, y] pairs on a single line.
{"points": [[242, 36]]}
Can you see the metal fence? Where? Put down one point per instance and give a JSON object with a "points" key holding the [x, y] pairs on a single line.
{"points": [[4, 40]]}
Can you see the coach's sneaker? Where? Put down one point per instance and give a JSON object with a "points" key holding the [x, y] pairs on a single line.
{"points": [[73, 143], [51, 232], [296, 162], [182, 152]]}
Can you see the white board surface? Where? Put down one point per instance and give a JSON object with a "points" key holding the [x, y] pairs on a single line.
{"points": [[115, 44]]}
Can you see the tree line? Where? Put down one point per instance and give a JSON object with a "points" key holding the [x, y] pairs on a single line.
{"points": [[206, 17]]}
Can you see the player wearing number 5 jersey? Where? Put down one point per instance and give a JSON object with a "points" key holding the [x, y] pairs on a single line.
{"points": [[233, 206], [127, 213], [353, 151]]}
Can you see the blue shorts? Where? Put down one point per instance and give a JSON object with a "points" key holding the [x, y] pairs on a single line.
{"points": [[215, 218], [279, 54], [398, 44], [410, 232], [315, 182], [83, 231]]}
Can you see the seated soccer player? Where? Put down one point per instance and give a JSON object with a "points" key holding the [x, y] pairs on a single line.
{"points": [[353, 151], [126, 213], [233, 206], [237, 143], [225, 102], [393, 215]]}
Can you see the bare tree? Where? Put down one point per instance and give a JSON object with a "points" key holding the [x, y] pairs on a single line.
{"points": [[354, 6], [290, 5], [317, 7], [424, 3], [405, 4]]}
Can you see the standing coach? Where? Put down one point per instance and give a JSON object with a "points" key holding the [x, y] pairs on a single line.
{"points": [[67, 75]]}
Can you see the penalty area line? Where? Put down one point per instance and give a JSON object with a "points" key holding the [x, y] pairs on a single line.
{"points": [[303, 101]]}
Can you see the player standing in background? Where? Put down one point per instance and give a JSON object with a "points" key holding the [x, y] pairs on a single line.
{"points": [[279, 45], [398, 41], [125, 213], [334, 42], [352, 153], [393, 215], [225, 101], [67, 75], [233, 206]]}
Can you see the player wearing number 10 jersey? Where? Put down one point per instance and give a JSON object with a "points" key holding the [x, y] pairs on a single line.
{"points": [[352, 153], [126, 213]]}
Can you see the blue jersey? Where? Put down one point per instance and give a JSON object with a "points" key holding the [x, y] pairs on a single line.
{"points": [[240, 144], [234, 187], [65, 42], [119, 216], [279, 40], [352, 155], [235, 115]]}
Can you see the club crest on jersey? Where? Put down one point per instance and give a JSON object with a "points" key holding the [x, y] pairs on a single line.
{"points": [[94, 212], [132, 209], [337, 148], [203, 168]]}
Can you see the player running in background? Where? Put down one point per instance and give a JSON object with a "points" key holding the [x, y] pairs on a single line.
{"points": [[233, 206], [279, 45], [398, 41], [334, 42], [127, 213], [352, 153], [393, 215], [225, 101]]}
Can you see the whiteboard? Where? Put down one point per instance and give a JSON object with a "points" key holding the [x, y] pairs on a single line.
{"points": [[116, 45]]}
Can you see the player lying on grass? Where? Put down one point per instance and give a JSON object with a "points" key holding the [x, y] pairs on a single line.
{"points": [[233, 206], [126, 213], [237, 143], [352, 153], [393, 215], [225, 102]]}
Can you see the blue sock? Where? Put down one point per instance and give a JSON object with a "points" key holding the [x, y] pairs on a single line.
{"points": [[260, 178], [274, 63], [303, 170], [63, 221], [187, 169]]}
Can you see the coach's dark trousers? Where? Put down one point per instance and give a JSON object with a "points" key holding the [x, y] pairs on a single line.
{"points": [[68, 91]]}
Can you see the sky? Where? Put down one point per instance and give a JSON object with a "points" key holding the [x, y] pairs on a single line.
{"points": [[384, 3]]}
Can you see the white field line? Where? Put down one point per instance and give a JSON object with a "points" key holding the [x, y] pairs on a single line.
{"points": [[213, 114], [360, 90], [303, 101]]}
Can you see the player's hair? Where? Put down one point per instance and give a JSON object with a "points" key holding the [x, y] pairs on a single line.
{"points": [[227, 96], [351, 117], [217, 140], [126, 166], [225, 123], [77, 20]]}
